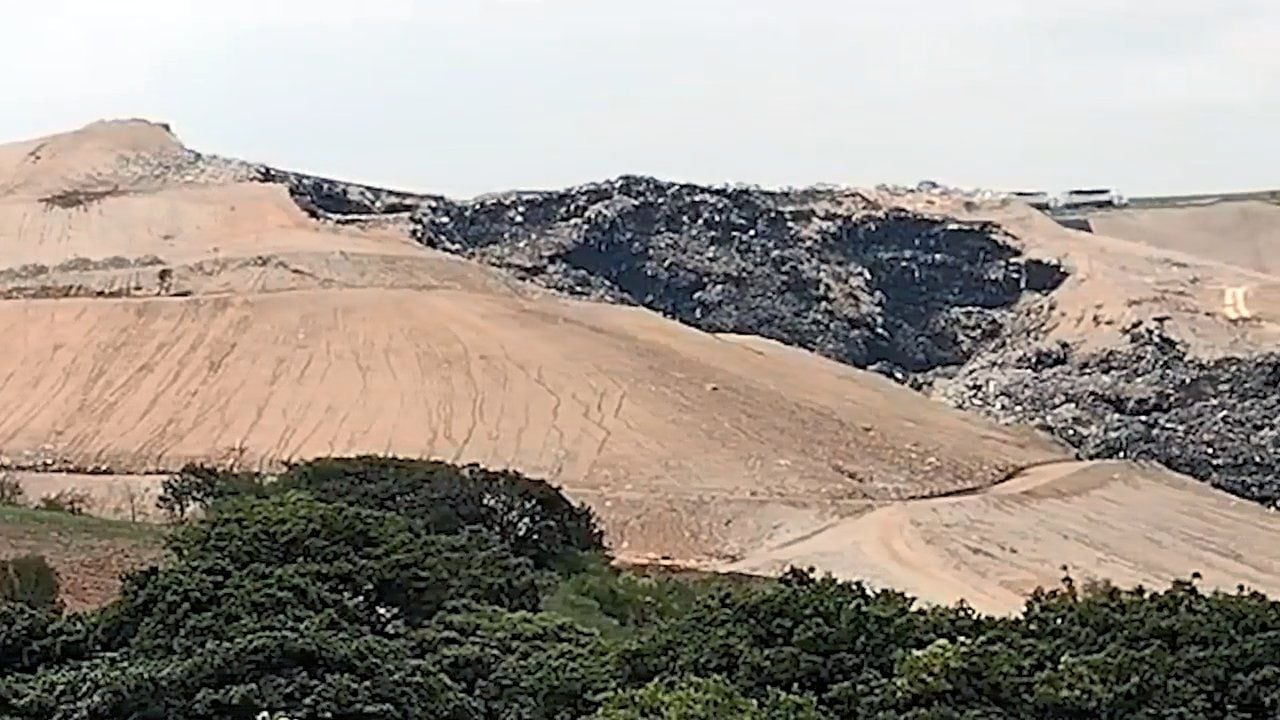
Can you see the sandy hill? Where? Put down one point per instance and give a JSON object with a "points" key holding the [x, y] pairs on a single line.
{"points": [[1128, 524], [177, 312], [1239, 234], [1244, 233], [162, 306]]}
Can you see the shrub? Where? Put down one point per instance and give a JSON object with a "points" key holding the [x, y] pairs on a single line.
{"points": [[702, 699], [29, 580], [276, 601], [530, 516], [196, 487], [304, 672], [291, 556], [827, 639], [32, 638], [11, 492], [520, 666], [616, 603]]}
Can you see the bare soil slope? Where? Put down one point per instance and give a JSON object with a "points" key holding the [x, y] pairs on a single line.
{"points": [[162, 309], [1242, 233], [160, 306], [1152, 266], [995, 546]]}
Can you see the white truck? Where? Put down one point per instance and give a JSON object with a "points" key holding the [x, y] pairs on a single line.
{"points": [[1093, 197]]}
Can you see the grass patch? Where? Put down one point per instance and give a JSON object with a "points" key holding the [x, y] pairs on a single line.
{"points": [[33, 521]]}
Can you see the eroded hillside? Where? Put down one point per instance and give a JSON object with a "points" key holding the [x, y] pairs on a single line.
{"points": [[180, 309], [1002, 311], [692, 362]]}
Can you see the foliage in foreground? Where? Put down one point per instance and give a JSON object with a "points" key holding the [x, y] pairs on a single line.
{"points": [[384, 588], [701, 699], [29, 580], [532, 518]]}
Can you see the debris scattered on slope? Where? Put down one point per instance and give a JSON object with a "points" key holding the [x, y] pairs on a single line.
{"points": [[1148, 400], [825, 270], [334, 200], [948, 307], [78, 264], [142, 171], [930, 187]]}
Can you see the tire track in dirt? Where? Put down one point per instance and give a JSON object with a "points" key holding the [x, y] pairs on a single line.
{"points": [[992, 547]]}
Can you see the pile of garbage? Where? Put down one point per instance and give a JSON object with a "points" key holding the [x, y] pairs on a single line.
{"points": [[950, 308], [930, 187], [1146, 400], [825, 270], [337, 200]]}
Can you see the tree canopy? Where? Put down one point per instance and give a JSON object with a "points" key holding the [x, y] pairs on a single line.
{"points": [[341, 590]]}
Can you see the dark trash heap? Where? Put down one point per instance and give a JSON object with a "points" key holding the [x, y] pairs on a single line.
{"points": [[824, 270], [937, 304], [1217, 420]]}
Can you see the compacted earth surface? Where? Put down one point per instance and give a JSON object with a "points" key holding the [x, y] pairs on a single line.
{"points": [[948, 394]]}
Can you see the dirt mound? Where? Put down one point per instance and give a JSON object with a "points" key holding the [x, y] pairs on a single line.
{"points": [[75, 169], [200, 317], [1242, 233], [165, 306], [994, 547], [596, 398]]}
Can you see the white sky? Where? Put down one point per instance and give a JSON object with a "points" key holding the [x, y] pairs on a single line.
{"points": [[470, 96]]}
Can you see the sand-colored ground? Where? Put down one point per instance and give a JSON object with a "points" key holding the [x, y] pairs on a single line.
{"points": [[1244, 235], [129, 498], [1241, 233], [1149, 271], [1123, 522], [255, 332], [172, 311]]}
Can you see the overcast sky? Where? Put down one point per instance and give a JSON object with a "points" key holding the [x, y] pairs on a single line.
{"points": [[471, 96]]}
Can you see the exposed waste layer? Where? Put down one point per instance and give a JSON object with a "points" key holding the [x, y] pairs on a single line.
{"points": [[826, 270], [336, 200], [1148, 400], [948, 307]]}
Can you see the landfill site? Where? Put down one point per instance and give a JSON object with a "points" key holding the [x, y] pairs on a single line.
{"points": [[951, 393]]}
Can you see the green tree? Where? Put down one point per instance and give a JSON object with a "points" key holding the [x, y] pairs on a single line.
{"points": [[32, 638], [1108, 652], [302, 673], [371, 603], [702, 699], [530, 516], [520, 666], [196, 487], [834, 641], [290, 557]]}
